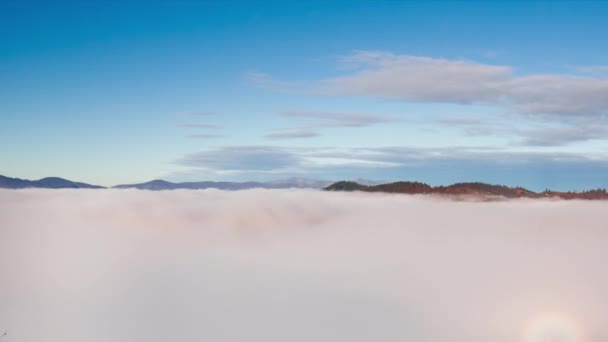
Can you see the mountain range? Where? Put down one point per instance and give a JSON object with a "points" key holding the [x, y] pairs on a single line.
{"points": [[159, 184], [466, 189], [459, 189]]}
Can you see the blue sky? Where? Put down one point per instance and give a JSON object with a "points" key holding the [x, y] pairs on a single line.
{"points": [[512, 92]]}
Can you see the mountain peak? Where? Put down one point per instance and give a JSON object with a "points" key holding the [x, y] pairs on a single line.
{"points": [[44, 183]]}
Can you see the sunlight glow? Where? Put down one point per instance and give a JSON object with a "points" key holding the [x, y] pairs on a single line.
{"points": [[553, 327]]}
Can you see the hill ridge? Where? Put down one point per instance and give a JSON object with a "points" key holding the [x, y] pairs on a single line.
{"points": [[466, 189]]}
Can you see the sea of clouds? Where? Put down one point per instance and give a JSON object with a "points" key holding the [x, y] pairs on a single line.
{"points": [[294, 266]]}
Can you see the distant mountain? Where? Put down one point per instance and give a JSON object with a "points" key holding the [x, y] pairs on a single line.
{"points": [[45, 183], [466, 189], [157, 184], [160, 184], [302, 183], [279, 184]]}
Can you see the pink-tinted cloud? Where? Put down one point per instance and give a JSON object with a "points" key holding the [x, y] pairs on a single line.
{"points": [[261, 265]]}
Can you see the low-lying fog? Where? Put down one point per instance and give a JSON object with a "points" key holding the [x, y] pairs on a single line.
{"points": [[297, 266]]}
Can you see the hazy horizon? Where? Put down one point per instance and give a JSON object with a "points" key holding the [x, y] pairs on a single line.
{"points": [[305, 183]]}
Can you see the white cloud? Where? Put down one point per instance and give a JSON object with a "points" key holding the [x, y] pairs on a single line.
{"points": [[428, 79], [540, 134], [562, 135], [298, 266], [560, 95], [418, 78]]}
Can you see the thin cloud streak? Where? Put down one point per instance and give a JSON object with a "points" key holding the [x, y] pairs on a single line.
{"points": [[196, 113], [292, 134], [594, 69], [340, 119], [239, 158], [199, 125], [459, 121], [202, 113], [205, 136], [318, 120], [542, 135], [559, 136]]}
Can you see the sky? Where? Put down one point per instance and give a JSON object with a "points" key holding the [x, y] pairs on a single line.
{"points": [[512, 92]]}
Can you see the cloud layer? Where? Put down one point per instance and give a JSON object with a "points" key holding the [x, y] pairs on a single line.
{"points": [[294, 266]]}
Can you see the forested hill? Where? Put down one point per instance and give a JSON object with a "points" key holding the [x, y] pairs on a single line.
{"points": [[459, 189]]}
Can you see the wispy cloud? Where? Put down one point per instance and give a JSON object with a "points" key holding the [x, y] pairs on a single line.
{"points": [[594, 69], [340, 119], [459, 121], [242, 158], [558, 136], [266, 81], [491, 54], [310, 122], [474, 126], [202, 113], [198, 125], [542, 134], [416, 78], [292, 134], [201, 127], [429, 79], [205, 136], [559, 95]]}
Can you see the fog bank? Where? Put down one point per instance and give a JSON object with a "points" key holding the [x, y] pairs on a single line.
{"points": [[295, 266]]}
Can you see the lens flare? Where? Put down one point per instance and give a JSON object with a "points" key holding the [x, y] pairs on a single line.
{"points": [[553, 327]]}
